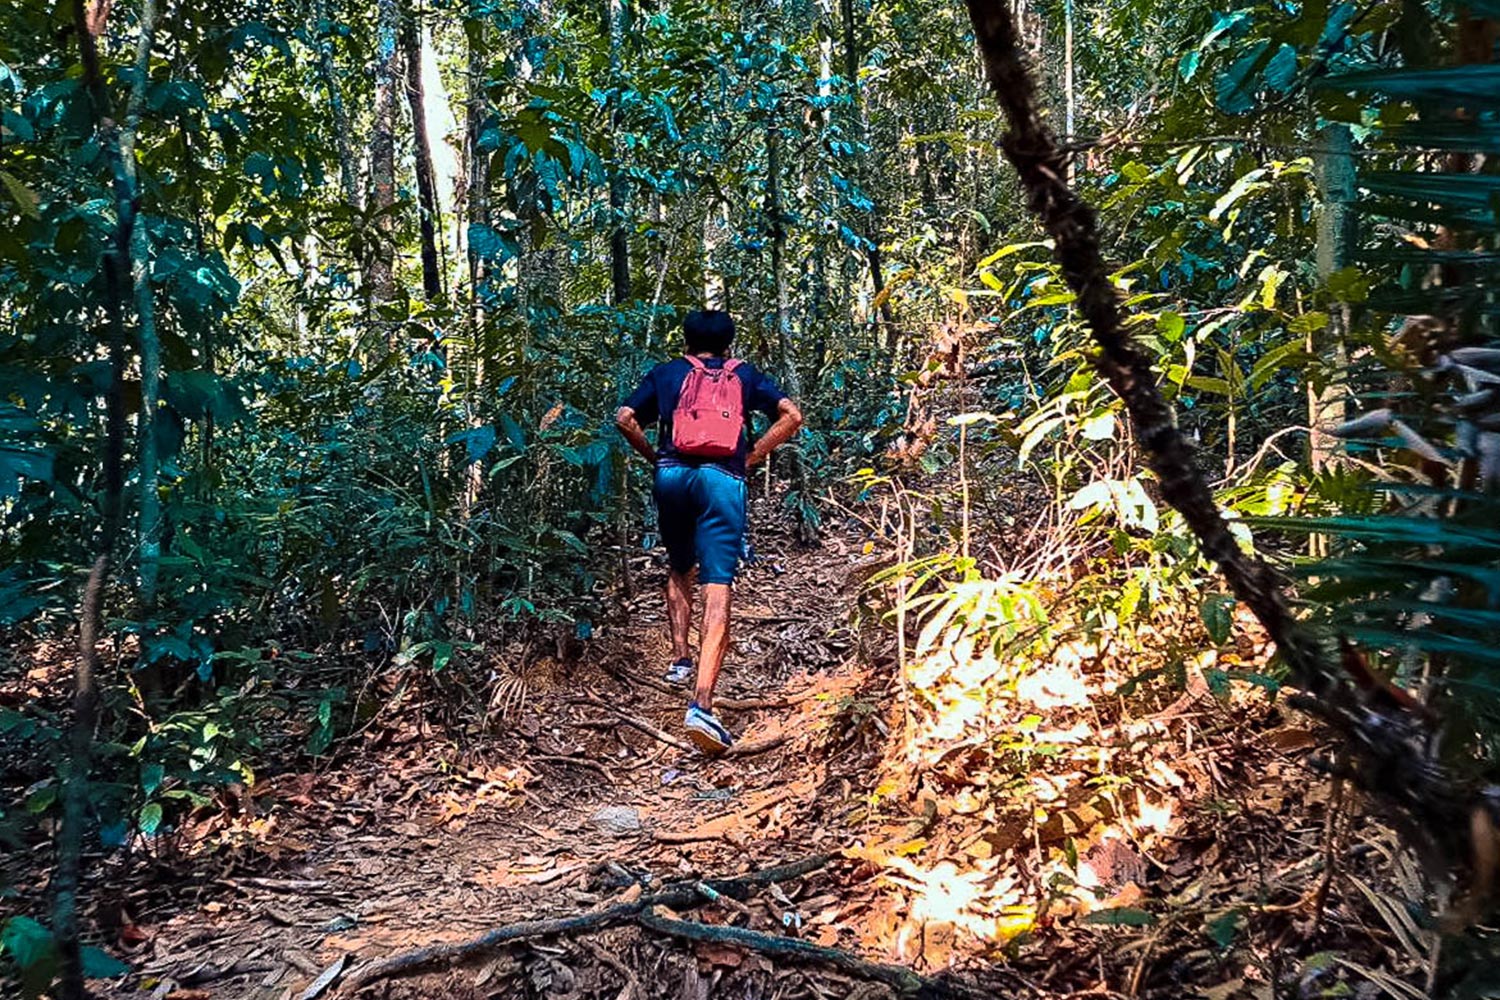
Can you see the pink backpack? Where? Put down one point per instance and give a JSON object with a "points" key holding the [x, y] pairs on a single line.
{"points": [[710, 414]]}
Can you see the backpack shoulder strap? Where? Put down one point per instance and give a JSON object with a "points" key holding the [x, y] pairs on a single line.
{"points": [[694, 362], [730, 364]]}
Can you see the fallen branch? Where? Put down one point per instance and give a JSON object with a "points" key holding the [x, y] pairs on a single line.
{"points": [[898, 977], [678, 896], [1390, 745]]}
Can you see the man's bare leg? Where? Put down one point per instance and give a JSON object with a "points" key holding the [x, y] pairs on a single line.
{"points": [[680, 612], [715, 642]]}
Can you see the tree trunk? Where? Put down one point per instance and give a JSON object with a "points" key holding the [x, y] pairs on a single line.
{"points": [[89, 24], [382, 249], [715, 236], [477, 213], [341, 132], [432, 274], [870, 230], [116, 268], [1336, 234], [619, 234], [1068, 71], [786, 355], [145, 308], [67, 877]]}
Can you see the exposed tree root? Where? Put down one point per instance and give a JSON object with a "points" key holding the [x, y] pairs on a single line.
{"points": [[898, 977], [678, 896]]}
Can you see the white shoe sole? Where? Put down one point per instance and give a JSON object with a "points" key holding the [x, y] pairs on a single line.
{"points": [[706, 740]]}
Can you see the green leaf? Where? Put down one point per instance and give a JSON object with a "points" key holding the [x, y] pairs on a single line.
{"points": [[1474, 87], [100, 964], [1217, 611], [150, 818], [1121, 917], [1222, 929], [151, 777], [477, 441], [41, 800], [1171, 326], [1282, 69], [1310, 322], [1234, 91], [27, 942], [24, 197]]}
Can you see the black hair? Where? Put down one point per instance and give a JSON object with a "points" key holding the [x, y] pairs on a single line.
{"points": [[708, 330]]}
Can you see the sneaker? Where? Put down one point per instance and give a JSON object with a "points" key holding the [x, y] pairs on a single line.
{"points": [[706, 731], [680, 672]]}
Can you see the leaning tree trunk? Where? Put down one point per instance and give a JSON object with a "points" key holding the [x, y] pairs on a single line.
{"points": [[432, 274], [381, 246], [1388, 742]]}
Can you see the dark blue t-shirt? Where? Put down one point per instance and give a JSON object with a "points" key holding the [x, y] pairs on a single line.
{"points": [[656, 400]]}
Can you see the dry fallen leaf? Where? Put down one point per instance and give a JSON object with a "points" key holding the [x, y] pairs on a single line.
{"points": [[711, 953]]}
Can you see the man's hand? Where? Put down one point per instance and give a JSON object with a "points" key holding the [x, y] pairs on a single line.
{"points": [[788, 420], [631, 428]]}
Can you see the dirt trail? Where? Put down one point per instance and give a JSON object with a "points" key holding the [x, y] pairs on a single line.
{"points": [[558, 809]]}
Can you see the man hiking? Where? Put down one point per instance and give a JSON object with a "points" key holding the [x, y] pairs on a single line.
{"points": [[702, 402]]}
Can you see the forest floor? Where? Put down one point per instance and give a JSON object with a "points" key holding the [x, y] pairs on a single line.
{"points": [[1187, 852]]}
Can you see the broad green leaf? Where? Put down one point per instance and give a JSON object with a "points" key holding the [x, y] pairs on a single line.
{"points": [[27, 942], [1234, 90], [100, 964], [150, 818], [1171, 326], [1310, 322], [25, 198], [1217, 611], [1223, 928]]}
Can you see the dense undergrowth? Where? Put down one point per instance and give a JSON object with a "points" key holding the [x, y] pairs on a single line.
{"points": [[344, 488]]}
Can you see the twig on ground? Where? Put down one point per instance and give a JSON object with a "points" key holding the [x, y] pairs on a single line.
{"points": [[637, 724], [677, 896], [899, 978], [753, 747], [594, 765], [632, 986]]}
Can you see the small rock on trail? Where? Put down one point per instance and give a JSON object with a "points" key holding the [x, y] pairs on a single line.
{"points": [[618, 820]]}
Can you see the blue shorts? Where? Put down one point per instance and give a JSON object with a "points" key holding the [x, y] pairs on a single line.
{"points": [[702, 519]]}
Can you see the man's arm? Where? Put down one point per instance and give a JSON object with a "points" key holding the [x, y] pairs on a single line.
{"points": [[788, 420], [631, 428]]}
